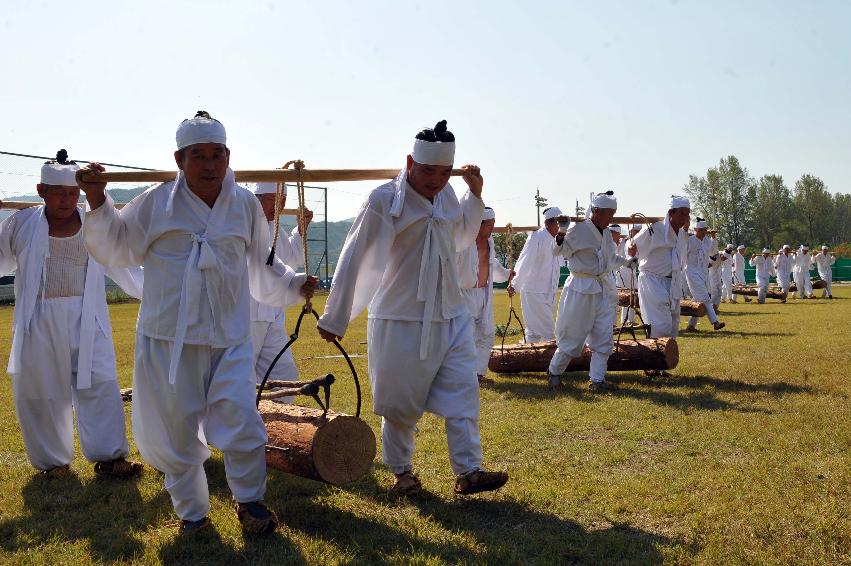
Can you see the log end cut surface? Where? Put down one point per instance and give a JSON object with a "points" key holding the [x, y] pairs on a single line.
{"points": [[343, 450]]}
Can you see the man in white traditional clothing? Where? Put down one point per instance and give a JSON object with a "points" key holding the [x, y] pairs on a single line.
{"points": [[803, 262], [783, 264], [727, 256], [714, 282], [268, 322], [661, 249], [585, 313], [622, 276], [537, 278], [764, 270], [62, 360], [203, 242], [823, 262], [399, 258], [739, 262], [478, 270], [697, 273]]}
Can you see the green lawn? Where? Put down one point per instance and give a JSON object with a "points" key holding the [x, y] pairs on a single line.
{"points": [[743, 456]]}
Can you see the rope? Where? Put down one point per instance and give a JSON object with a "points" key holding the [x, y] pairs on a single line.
{"points": [[509, 247], [632, 294]]}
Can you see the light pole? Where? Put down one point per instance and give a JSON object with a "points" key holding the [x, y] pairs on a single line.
{"points": [[540, 202]]}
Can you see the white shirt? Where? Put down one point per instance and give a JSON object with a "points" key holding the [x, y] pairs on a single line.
{"points": [[823, 263], [468, 267], [739, 261], [591, 257], [399, 258], [538, 270], [764, 267], [290, 250], [660, 249], [200, 263], [783, 264]]}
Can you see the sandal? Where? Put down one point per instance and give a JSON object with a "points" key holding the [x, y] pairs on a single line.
{"points": [[479, 480], [256, 518], [118, 469], [58, 472], [187, 528], [407, 483]]}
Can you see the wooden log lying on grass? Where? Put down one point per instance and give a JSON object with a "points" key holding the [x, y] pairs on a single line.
{"points": [[688, 307], [628, 355], [752, 291], [817, 284], [334, 448]]}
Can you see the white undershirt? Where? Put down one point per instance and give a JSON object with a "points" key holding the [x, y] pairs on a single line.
{"points": [[65, 267]]}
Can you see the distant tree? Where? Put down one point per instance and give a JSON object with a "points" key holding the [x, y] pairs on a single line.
{"points": [[724, 198], [771, 212], [500, 242], [814, 207], [841, 219]]}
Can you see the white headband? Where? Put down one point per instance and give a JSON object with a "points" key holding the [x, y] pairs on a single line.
{"points": [[786, 247], [766, 251], [741, 247], [603, 200], [701, 224], [266, 188], [678, 202], [553, 212], [488, 214], [63, 174], [200, 130], [434, 153], [616, 229], [825, 248]]}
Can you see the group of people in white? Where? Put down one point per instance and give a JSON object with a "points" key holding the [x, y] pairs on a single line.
{"points": [[418, 257], [789, 267]]}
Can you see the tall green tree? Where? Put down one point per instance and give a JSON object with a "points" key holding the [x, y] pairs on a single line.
{"points": [[772, 212], [814, 207], [841, 219], [724, 198]]}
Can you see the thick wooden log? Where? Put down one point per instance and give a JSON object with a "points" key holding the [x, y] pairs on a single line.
{"points": [[687, 306], [752, 291], [628, 355], [817, 284], [334, 448]]}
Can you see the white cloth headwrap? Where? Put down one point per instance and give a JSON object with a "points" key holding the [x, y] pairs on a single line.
{"points": [[553, 212], [266, 188], [825, 248], [786, 247], [603, 200], [766, 251], [200, 130], [679, 202], [434, 153], [701, 224], [741, 247], [63, 174], [615, 228], [488, 214]]}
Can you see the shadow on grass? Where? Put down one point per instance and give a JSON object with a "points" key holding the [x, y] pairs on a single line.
{"points": [[102, 512], [729, 333], [476, 530]]}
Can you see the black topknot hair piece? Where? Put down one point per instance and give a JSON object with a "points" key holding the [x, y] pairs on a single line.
{"points": [[438, 134], [699, 219], [62, 156], [203, 114]]}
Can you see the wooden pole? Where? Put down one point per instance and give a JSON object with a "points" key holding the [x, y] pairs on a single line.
{"points": [[628, 355], [20, 205], [615, 220], [260, 175]]}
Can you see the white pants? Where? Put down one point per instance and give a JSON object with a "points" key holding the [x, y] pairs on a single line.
{"points": [[801, 280], [583, 318], [715, 285], [763, 289], [445, 383], [654, 295], [211, 401], [697, 284], [627, 313], [483, 326], [828, 284], [538, 311], [783, 280], [46, 389], [267, 339], [727, 286]]}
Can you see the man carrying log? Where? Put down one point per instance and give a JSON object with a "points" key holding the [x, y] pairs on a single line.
{"points": [[739, 261], [726, 258], [268, 322], [714, 282], [62, 359], [400, 259], [764, 269], [661, 250], [803, 262], [478, 270], [585, 312], [783, 264], [697, 273], [824, 262], [537, 278], [204, 242]]}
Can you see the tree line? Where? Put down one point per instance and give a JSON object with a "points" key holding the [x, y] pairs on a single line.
{"points": [[766, 212]]}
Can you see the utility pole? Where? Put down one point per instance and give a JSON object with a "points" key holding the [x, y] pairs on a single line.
{"points": [[579, 210], [540, 202]]}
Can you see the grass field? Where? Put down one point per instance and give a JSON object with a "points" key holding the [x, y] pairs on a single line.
{"points": [[743, 456]]}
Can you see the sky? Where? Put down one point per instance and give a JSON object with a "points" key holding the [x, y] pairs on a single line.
{"points": [[564, 97]]}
